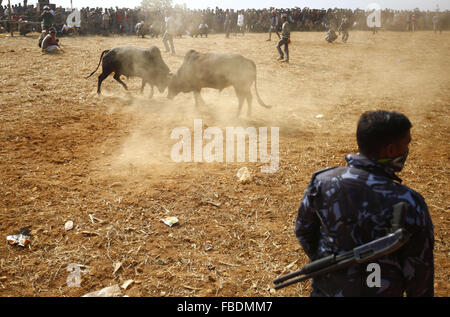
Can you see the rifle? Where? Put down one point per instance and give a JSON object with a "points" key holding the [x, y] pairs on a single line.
{"points": [[362, 254]]}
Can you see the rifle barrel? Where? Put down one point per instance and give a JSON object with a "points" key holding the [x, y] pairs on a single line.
{"points": [[332, 267], [280, 285], [286, 277]]}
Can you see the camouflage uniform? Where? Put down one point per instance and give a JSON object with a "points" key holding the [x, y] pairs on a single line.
{"points": [[346, 207]]}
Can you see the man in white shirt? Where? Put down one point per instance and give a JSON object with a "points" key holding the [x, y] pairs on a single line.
{"points": [[240, 23]]}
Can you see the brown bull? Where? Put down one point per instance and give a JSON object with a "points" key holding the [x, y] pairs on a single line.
{"points": [[213, 70]]}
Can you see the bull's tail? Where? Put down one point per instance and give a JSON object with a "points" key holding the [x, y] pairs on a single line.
{"points": [[259, 98], [101, 58]]}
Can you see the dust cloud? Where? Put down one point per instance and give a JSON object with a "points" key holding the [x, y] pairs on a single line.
{"points": [[67, 153]]}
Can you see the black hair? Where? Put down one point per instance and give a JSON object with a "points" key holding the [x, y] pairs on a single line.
{"points": [[377, 129]]}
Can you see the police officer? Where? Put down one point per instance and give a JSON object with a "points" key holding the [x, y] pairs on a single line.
{"points": [[345, 207]]}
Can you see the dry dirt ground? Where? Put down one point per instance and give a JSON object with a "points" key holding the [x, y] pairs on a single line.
{"points": [[104, 161]]}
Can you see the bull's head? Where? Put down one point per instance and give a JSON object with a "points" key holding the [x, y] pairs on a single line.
{"points": [[174, 87], [163, 82], [162, 71]]}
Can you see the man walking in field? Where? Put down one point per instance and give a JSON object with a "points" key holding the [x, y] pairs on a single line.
{"points": [[285, 40], [345, 26], [171, 29]]}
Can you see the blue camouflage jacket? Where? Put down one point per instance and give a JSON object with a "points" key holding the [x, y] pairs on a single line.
{"points": [[345, 207]]}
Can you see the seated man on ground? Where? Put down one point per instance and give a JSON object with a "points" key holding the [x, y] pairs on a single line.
{"points": [[50, 44]]}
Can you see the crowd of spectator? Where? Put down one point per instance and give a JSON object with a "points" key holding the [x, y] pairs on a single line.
{"points": [[123, 20]]}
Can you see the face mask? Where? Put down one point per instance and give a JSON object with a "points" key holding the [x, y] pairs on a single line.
{"points": [[395, 164]]}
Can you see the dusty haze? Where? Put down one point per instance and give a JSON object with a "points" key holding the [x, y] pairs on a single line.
{"points": [[66, 153]]}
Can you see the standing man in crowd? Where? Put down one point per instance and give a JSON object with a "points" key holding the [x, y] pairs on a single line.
{"points": [[47, 18], [126, 21], [240, 23], [273, 25], [106, 21], [285, 40], [344, 27], [408, 22], [171, 29], [346, 207], [119, 18], [437, 23], [413, 22], [227, 23]]}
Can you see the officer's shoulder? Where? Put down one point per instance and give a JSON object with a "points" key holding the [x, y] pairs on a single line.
{"points": [[411, 194], [328, 173]]}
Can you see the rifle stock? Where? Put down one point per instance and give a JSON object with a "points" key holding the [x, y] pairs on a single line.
{"points": [[362, 254]]}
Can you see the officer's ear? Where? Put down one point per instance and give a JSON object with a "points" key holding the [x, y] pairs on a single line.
{"points": [[398, 146], [391, 150]]}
